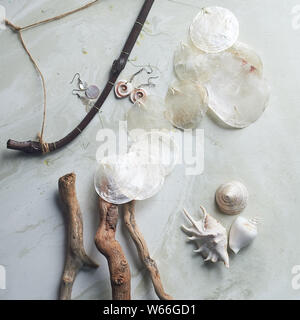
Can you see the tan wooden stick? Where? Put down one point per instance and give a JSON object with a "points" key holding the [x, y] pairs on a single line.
{"points": [[107, 244], [76, 255], [140, 243]]}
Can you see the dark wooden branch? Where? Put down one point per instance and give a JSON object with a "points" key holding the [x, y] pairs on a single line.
{"points": [[140, 243], [118, 65], [107, 244], [76, 255]]}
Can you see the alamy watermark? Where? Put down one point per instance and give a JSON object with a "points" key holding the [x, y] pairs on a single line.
{"points": [[295, 12], [296, 278], [2, 17], [2, 278], [187, 146]]}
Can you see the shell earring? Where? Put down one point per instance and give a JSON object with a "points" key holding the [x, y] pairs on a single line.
{"points": [[91, 92], [140, 93], [123, 88]]}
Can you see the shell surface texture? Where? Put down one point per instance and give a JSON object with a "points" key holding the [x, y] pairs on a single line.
{"points": [[242, 232], [209, 236], [214, 29], [122, 178], [186, 104], [237, 92], [232, 197], [148, 114], [159, 147]]}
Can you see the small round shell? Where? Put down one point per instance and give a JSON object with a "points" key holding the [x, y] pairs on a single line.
{"points": [[138, 94], [186, 104], [214, 29], [232, 197], [92, 92], [123, 89]]}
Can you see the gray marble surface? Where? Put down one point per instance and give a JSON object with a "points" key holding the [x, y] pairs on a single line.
{"points": [[265, 156]]}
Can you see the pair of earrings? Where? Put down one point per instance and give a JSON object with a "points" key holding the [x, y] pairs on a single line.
{"points": [[125, 88], [91, 92]]}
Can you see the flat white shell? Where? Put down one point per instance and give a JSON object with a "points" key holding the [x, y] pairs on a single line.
{"points": [[214, 29], [148, 115], [186, 104], [122, 178], [242, 233], [159, 147], [192, 64], [237, 92]]}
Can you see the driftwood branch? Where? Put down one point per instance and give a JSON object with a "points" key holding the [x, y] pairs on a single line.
{"points": [[107, 244], [140, 243], [76, 255], [118, 65]]}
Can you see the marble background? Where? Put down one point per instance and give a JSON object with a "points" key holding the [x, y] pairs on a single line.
{"points": [[265, 156]]}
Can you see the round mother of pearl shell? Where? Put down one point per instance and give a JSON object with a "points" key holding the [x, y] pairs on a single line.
{"points": [[92, 92], [232, 197], [214, 29]]}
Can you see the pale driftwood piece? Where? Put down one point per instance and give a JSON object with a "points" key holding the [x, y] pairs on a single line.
{"points": [[76, 255], [107, 244], [140, 243]]}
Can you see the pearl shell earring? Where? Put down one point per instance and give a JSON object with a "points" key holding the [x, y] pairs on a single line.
{"points": [[123, 88], [91, 92]]}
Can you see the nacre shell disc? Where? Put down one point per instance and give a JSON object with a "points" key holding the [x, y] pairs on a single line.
{"points": [[214, 29], [122, 178]]}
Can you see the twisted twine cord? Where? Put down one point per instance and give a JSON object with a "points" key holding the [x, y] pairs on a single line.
{"points": [[18, 30]]}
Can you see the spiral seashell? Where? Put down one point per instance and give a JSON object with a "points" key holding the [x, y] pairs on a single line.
{"points": [[242, 232], [138, 94], [123, 89], [232, 197]]}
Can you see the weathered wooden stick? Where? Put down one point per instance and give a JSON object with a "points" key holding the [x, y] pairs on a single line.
{"points": [[76, 255], [140, 243], [107, 244]]}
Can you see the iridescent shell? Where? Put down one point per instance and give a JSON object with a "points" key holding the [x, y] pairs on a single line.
{"points": [[159, 147], [214, 29], [186, 104], [122, 178], [237, 92]]}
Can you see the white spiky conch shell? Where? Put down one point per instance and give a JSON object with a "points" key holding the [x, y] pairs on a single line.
{"points": [[123, 89], [209, 236], [232, 197], [242, 232], [214, 29]]}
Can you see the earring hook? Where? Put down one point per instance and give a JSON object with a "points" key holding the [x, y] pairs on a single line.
{"points": [[149, 84], [76, 74]]}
